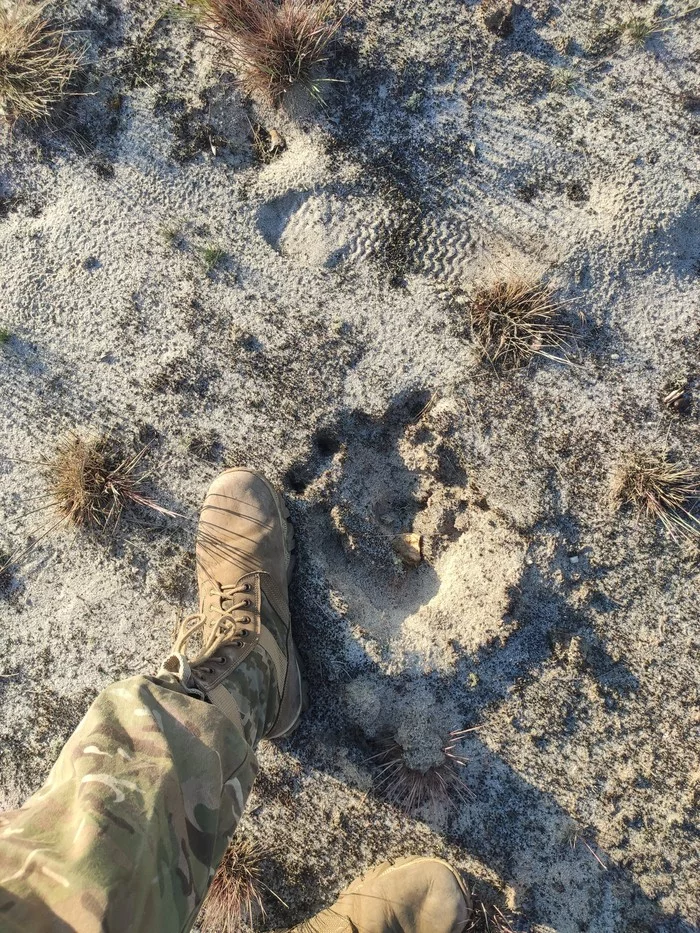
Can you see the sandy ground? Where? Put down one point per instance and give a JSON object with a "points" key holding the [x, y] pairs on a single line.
{"points": [[330, 349]]}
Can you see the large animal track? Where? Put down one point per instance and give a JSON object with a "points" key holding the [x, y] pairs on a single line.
{"points": [[386, 476]]}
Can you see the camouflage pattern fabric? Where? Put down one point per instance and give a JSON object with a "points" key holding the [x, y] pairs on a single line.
{"points": [[136, 814]]}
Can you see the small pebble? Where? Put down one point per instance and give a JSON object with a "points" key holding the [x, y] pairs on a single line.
{"points": [[409, 548]]}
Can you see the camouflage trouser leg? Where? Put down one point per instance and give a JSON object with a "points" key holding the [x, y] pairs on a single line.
{"points": [[132, 821]]}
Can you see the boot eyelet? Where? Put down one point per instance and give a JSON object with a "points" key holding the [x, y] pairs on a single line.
{"points": [[248, 620], [246, 587], [246, 602], [244, 632], [220, 660], [238, 644]]}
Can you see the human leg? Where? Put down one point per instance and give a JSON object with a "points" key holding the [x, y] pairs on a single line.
{"points": [[136, 814], [133, 820]]}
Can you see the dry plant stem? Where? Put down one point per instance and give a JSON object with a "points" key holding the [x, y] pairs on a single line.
{"points": [[235, 895], [273, 45], [660, 489], [36, 64], [514, 321]]}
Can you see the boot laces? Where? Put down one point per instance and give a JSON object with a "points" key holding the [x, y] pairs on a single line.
{"points": [[215, 624]]}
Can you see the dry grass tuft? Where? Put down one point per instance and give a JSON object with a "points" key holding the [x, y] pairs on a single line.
{"points": [[514, 321], [91, 481], [235, 895], [660, 489], [273, 45], [88, 483], [410, 788], [36, 63]]}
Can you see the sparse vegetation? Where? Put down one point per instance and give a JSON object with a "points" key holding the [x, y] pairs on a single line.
{"points": [[5, 336], [235, 895], [640, 28], [564, 80], [213, 256], [514, 321], [205, 446], [89, 481], [410, 788], [171, 235], [487, 918], [660, 489], [36, 62], [274, 46]]}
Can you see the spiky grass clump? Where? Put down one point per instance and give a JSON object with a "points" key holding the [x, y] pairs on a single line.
{"points": [[88, 483], [641, 28], [410, 788], [514, 321], [91, 481], [36, 62], [274, 45], [213, 256], [235, 895], [660, 489]]}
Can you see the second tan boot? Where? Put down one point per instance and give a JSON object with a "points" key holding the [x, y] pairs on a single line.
{"points": [[410, 895]]}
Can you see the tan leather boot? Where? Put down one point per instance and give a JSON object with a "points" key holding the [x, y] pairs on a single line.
{"points": [[245, 662], [410, 895]]}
